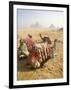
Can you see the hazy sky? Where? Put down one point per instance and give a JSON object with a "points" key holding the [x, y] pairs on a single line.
{"points": [[45, 18]]}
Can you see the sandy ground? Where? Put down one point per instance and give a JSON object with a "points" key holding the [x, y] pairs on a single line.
{"points": [[53, 68]]}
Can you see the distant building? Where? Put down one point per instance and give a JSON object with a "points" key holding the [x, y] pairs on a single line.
{"points": [[60, 29], [36, 25], [52, 27]]}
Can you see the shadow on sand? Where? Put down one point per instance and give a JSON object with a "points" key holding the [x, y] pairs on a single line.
{"points": [[22, 65]]}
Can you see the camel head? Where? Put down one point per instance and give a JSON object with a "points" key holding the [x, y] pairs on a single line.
{"points": [[40, 35], [55, 40], [21, 41]]}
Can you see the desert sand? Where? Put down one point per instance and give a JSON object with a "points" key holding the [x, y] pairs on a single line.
{"points": [[53, 68]]}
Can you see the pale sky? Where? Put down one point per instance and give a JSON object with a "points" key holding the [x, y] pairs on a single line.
{"points": [[45, 18]]}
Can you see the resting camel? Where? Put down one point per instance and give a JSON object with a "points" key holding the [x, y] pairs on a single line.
{"points": [[39, 53]]}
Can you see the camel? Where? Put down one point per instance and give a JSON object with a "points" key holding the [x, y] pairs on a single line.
{"points": [[42, 53], [39, 54]]}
